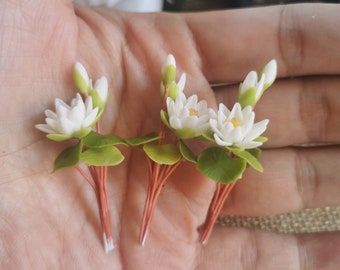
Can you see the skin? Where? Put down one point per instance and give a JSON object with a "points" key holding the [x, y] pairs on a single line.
{"points": [[50, 221]]}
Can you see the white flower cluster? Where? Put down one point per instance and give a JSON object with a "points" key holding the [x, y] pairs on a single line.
{"points": [[75, 120], [190, 118]]}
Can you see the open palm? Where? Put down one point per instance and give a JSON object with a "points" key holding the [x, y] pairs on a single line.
{"points": [[50, 221]]}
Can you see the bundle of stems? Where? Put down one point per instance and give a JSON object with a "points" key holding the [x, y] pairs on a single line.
{"points": [[98, 182], [220, 196], [158, 175]]}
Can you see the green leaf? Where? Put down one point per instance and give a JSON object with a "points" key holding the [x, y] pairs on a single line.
{"points": [[142, 140], [261, 139], [248, 98], [187, 153], [172, 90], [249, 158], [215, 163], [104, 156], [162, 153], [165, 118], [58, 137], [209, 136], [169, 75], [95, 140], [256, 152], [69, 157]]}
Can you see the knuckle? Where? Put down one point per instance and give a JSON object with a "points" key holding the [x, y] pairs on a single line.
{"points": [[307, 181], [290, 39], [314, 111]]}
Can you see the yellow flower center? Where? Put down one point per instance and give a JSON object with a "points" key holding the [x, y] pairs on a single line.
{"points": [[193, 112], [235, 122]]}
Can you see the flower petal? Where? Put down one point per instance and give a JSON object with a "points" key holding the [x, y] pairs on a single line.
{"points": [[66, 126], [236, 110], [191, 101], [220, 142], [54, 124], [249, 81], [101, 86], [260, 87], [88, 105], [175, 123], [249, 145], [213, 126], [257, 130], [90, 118], [181, 83], [189, 122], [51, 114], [270, 70], [212, 114], [76, 116], [223, 109], [58, 102], [45, 128], [82, 72]]}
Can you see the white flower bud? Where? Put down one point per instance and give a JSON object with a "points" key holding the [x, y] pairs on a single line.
{"points": [[169, 70], [249, 82], [101, 87], [81, 78], [270, 71], [170, 60]]}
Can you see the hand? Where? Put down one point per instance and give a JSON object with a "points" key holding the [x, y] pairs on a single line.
{"points": [[50, 221]]}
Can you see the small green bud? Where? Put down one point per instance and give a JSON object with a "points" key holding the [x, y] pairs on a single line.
{"points": [[169, 75], [173, 90]]}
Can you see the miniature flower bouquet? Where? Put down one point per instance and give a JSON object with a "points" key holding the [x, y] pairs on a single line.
{"points": [[231, 137]]}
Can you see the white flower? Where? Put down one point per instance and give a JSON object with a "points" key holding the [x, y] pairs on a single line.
{"points": [[69, 121], [81, 78], [101, 88], [188, 116], [236, 127]]}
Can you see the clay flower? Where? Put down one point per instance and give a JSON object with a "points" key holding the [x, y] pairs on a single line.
{"points": [[72, 121], [188, 116], [236, 128], [252, 89]]}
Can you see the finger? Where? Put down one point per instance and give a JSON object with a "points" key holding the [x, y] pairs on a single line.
{"points": [[231, 43], [301, 111], [293, 179]]}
